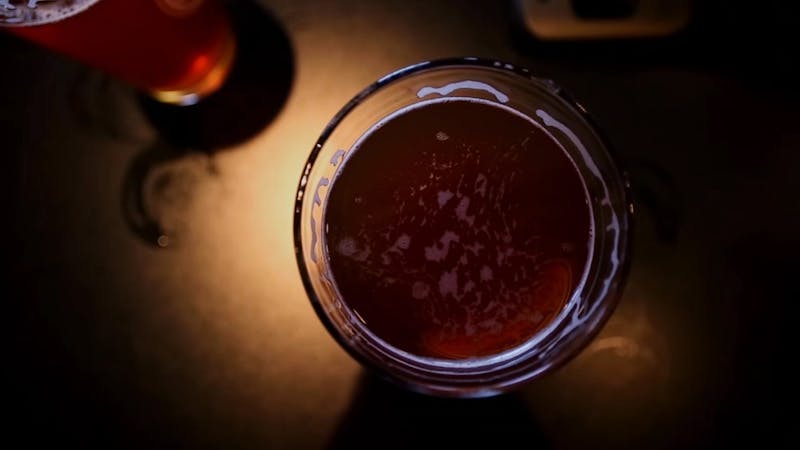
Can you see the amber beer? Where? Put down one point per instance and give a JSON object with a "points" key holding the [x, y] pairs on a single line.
{"points": [[176, 50], [457, 229]]}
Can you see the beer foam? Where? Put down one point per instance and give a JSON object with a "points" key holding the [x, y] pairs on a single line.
{"points": [[439, 250], [443, 197], [461, 211], [466, 84], [420, 290], [40, 12]]}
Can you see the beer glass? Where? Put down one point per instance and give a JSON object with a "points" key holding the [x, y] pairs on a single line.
{"points": [[461, 227], [178, 51]]}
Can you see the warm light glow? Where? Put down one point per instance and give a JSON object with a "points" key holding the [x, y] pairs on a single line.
{"points": [[210, 74], [231, 247]]}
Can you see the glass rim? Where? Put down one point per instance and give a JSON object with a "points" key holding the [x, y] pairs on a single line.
{"points": [[466, 62], [24, 19]]}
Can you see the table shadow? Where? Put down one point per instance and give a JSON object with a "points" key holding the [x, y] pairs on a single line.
{"points": [[382, 415], [252, 96], [756, 293]]}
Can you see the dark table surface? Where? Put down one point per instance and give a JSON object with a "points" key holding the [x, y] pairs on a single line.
{"points": [[115, 342]]}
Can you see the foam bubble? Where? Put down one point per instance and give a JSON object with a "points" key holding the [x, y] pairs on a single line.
{"points": [[469, 286], [448, 283], [480, 184], [486, 273], [347, 246], [438, 251], [461, 211], [443, 197], [420, 290], [403, 242]]}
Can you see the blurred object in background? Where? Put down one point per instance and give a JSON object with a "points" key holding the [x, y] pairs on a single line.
{"points": [[603, 19], [752, 41]]}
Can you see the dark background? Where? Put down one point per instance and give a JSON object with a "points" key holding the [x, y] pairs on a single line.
{"points": [[114, 342]]}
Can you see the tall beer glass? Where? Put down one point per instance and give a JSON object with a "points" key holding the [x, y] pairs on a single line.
{"points": [[178, 51]]}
